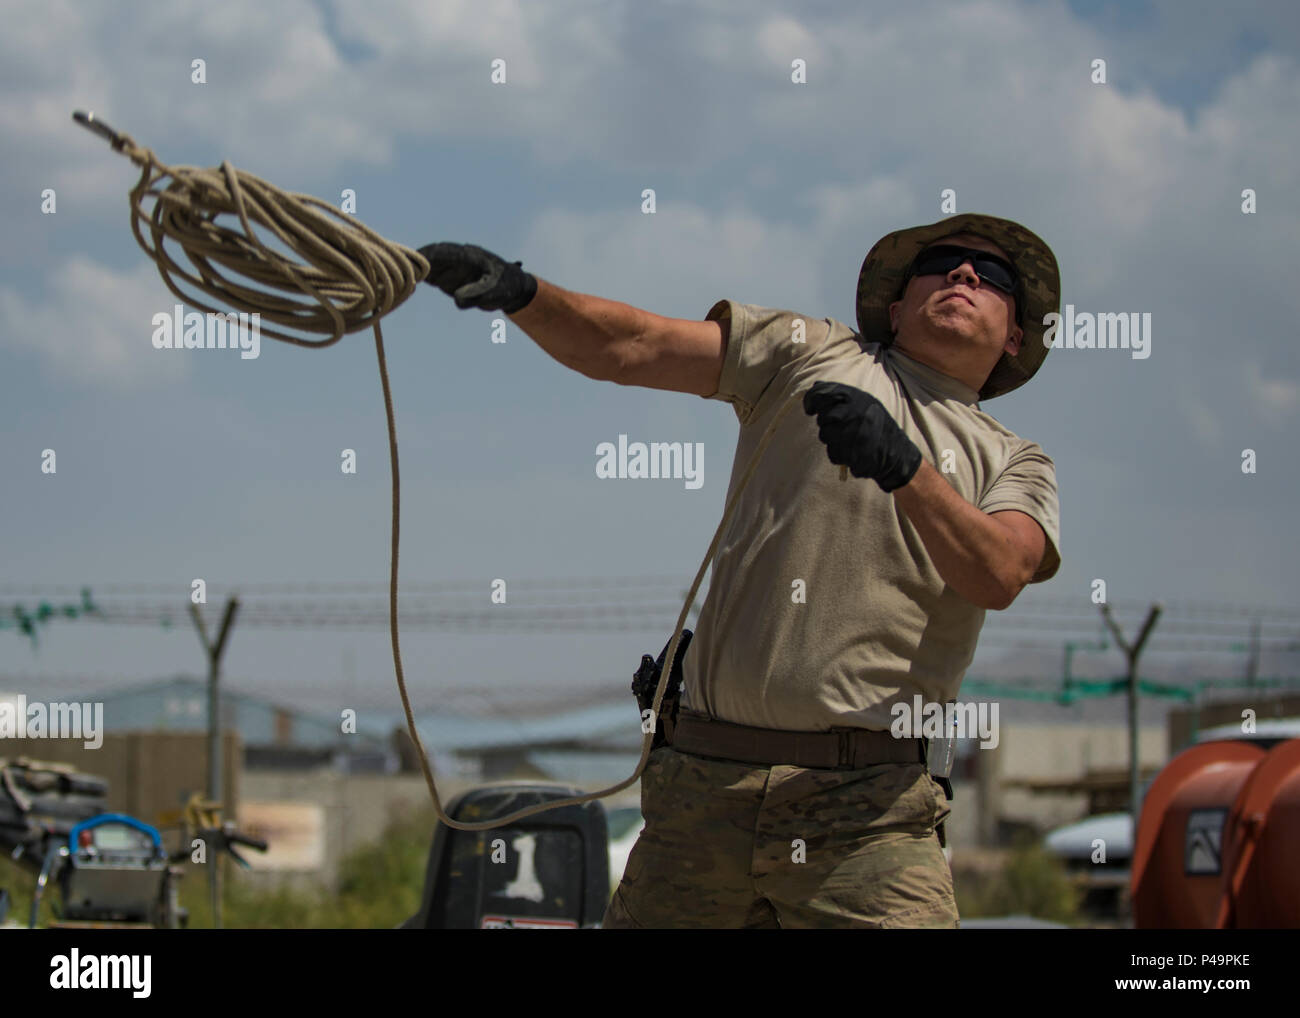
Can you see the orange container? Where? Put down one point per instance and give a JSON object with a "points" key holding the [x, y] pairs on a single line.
{"points": [[1261, 857], [1217, 840]]}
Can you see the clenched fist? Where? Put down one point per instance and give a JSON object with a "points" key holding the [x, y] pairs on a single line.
{"points": [[476, 278], [858, 433]]}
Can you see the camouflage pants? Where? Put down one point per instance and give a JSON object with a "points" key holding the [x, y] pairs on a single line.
{"points": [[731, 845]]}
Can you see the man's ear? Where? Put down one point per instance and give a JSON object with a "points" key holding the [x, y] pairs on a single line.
{"points": [[1014, 340], [893, 315]]}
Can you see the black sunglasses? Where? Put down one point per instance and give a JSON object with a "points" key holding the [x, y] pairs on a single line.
{"points": [[943, 258], [992, 269]]}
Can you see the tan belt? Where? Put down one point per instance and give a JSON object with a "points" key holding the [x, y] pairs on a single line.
{"points": [[845, 749]]}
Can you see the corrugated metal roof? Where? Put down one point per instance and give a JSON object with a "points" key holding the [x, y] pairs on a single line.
{"points": [[180, 703], [614, 726], [613, 722], [586, 769]]}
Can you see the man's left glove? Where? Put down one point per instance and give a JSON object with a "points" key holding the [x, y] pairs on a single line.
{"points": [[859, 434], [477, 278]]}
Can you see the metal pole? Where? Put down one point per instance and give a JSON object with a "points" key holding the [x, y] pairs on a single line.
{"points": [[1252, 664], [1067, 677], [214, 652], [1132, 652], [1195, 715], [1134, 760]]}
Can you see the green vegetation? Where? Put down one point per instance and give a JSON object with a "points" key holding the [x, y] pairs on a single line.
{"points": [[1033, 882], [379, 887], [380, 884], [19, 883]]}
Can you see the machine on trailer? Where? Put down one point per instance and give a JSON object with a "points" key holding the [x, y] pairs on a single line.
{"points": [[110, 869]]}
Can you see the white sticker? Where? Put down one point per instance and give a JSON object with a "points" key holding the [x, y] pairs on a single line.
{"points": [[1203, 844], [520, 922]]}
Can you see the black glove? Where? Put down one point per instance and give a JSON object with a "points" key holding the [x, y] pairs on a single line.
{"points": [[859, 433], [478, 278]]}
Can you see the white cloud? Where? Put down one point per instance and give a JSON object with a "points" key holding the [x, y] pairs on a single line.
{"points": [[677, 261], [617, 84], [783, 39], [1200, 417], [94, 326], [1275, 398], [1106, 173]]}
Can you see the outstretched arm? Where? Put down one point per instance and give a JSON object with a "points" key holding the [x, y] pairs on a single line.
{"points": [[602, 339], [619, 343]]}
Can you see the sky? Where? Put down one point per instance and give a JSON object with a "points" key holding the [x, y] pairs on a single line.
{"points": [[173, 465]]}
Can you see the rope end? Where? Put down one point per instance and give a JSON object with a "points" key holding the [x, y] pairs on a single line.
{"points": [[120, 142], [92, 123]]}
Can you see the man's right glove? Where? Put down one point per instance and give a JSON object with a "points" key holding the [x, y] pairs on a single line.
{"points": [[476, 278]]}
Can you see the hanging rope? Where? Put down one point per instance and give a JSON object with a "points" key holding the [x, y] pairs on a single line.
{"points": [[354, 277]]}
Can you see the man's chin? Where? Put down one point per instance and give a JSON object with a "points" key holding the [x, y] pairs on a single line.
{"points": [[955, 329]]}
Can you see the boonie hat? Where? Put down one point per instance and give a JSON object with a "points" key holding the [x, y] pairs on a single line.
{"points": [[880, 283]]}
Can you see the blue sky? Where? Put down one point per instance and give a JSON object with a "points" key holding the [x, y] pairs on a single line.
{"points": [[173, 465]]}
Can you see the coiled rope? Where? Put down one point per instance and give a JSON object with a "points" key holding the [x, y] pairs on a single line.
{"points": [[354, 277]]}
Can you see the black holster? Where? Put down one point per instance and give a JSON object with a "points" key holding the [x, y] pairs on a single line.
{"points": [[645, 681]]}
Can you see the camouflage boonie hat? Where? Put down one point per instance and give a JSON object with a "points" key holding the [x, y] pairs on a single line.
{"points": [[881, 280]]}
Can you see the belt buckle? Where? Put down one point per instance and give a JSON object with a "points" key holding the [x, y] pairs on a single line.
{"points": [[845, 749]]}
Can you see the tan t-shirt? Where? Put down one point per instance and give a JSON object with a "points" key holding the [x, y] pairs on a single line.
{"points": [[824, 607]]}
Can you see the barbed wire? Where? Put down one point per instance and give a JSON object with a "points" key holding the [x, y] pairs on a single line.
{"points": [[601, 605], [1032, 605]]}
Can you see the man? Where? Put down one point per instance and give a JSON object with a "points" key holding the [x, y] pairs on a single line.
{"points": [[784, 799]]}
